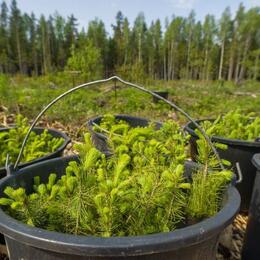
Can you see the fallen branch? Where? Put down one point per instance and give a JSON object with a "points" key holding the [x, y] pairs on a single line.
{"points": [[254, 95]]}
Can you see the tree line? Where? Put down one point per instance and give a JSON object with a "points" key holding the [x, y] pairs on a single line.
{"points": [[178, 48]]}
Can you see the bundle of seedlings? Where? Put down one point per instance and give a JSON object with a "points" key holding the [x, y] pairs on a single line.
{"points": [[234, 125], [141, 189], [239, 134], [37, 145]]}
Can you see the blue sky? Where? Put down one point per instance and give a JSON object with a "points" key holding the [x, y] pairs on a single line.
{"points": [[86, 10]]}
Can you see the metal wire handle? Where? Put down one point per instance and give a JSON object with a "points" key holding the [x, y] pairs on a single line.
{"points": [[115, 78]]}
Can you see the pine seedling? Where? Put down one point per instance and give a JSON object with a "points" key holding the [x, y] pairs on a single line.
{"points": [[37, 145], [234, 125], [208, 183], [140, 189]]}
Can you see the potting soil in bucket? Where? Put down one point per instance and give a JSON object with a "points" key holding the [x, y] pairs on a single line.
{"points": [[238, 151], [198, 241], [251, 249]]}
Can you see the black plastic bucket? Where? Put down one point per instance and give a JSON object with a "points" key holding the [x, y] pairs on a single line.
{"points": [[238, 151], [198, 241], [163, 94], [251, 248], [38, 130], [100, 140]]}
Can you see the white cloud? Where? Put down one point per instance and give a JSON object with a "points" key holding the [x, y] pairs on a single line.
{"points": [[183, 4], [254, 2], [114, 4]]}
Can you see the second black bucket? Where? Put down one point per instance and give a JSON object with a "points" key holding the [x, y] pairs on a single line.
{"points": [[163, 94], [238, 151], [100, 140], [197, 241], [251, 249]]}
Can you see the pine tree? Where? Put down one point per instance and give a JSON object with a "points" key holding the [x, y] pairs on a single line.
{"points": [[44, 38], [71, 34], [189, 28], [250, 27], [60, 51], [34, 43], [224, 34], [4, 44], [118, 38], [173, 38], [126, 41], [98, 36], [154, 48], [209, 30], [139, 34], [17, 38]]}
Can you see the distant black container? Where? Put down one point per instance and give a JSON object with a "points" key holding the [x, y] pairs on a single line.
{"points": [[163, 94], [238, 151], [100, 140], [251, 248], [38, 130], [198, 241]]}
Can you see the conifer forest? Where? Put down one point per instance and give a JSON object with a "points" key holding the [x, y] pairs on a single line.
{"points": [[175, 48]]}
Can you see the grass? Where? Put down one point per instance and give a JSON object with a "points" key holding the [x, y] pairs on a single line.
{"points": [[201, 99]]}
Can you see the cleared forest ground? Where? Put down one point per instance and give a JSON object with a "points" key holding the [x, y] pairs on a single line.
{"points": [[201, 99]]}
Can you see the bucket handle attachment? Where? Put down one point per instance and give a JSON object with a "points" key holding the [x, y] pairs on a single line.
{"points": [[11, 169], [239, 173]]}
